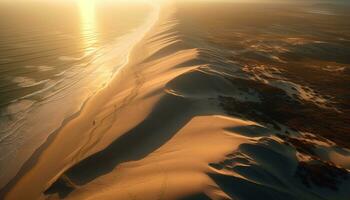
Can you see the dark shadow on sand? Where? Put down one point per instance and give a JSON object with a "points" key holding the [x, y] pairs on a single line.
{"points": [[168, 116]]}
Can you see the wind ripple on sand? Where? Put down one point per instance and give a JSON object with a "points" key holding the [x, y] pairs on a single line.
{"points": [[163, 134]]}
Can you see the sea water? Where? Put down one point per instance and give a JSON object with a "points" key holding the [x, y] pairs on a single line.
{"points": [[54, 56]]}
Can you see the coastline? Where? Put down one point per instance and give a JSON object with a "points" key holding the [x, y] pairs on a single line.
{"points": [[36, 112], [33, 159], [166, 127]]}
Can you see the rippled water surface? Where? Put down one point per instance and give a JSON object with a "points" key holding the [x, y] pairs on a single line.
{"points": [[53, 57]]}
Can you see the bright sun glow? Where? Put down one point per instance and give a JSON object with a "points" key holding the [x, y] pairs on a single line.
{"points": [[88, 24]]}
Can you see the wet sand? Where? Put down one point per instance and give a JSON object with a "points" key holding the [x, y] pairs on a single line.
{"points": [[189, 118]]}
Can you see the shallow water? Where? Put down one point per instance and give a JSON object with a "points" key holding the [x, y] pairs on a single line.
{"points": [[53, 57]]}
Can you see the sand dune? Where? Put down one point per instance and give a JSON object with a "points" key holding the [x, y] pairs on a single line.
{"points": [[161, 130]]}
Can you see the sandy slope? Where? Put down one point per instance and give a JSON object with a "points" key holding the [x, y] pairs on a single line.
{"points": [[157, 132]]}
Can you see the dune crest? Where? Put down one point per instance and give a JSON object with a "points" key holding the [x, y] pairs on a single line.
{"points": [[162, 130]]}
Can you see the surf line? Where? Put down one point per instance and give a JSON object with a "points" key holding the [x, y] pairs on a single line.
{"points": [[136, 37]]}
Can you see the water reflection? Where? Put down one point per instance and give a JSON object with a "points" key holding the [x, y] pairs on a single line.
{"points": [[88, 25]]}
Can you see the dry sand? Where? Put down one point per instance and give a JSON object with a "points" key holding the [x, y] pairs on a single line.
{"points": [[150, 135]]}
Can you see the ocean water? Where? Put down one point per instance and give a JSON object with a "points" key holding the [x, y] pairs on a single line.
{"points": [[53, 58]]}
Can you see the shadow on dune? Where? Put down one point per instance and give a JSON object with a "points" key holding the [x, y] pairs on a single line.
{"points": [[220, 76], [168, 116], [245, 189], [270, 167], [251, 131], [197, 197]]}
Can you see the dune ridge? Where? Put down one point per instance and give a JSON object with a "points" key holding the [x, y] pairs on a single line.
{"points": [[160, 131]]}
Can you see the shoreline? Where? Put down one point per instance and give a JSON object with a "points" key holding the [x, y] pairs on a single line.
{"points": [[35, 156], [184, 119], [33, 159], [71, 79]]}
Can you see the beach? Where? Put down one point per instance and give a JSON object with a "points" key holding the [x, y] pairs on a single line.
{"points": [[208, 106], [53, 66]]}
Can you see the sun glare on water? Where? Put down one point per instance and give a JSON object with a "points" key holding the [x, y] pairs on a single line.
{"points": [[88, 22]]}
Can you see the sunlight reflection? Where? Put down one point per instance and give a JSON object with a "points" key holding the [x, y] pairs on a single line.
{"points": [[88, 25]]}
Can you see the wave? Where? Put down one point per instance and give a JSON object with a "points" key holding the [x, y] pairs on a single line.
{"points": [[26, 124], [205, 113]]}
